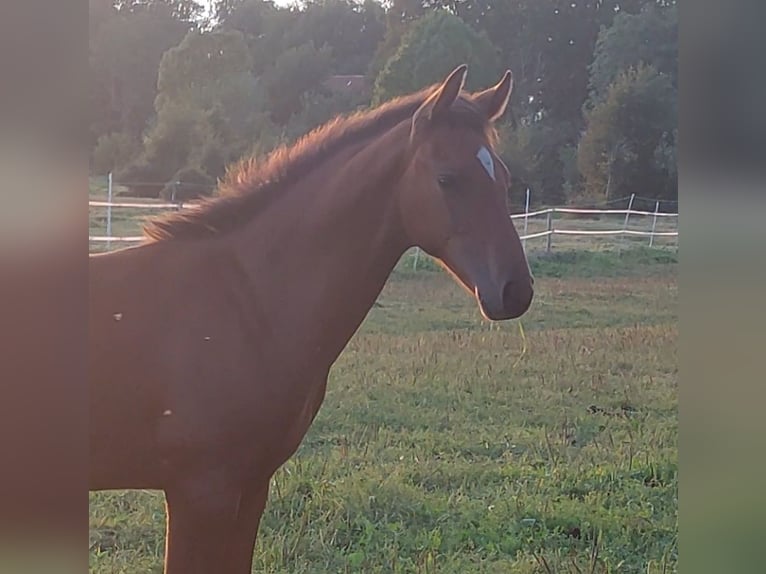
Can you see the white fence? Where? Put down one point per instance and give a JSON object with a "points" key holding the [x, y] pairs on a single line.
{"points": [[537, 225], [551, 230]]}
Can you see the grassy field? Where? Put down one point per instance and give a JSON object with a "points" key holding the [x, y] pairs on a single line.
{"points": [[450, 445]]}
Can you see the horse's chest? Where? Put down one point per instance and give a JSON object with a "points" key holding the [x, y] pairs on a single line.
{"points": [[253, 424]]}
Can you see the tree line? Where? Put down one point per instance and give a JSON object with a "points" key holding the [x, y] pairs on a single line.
{"points": [[178, 92]]}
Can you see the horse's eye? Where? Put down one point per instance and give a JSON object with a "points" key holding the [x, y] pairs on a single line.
{"points": [[447, 181]]}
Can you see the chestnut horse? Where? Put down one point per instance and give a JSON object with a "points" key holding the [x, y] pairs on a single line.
{"points": [[211, 341]]}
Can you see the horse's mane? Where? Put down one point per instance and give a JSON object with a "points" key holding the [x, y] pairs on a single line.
{"points": [[250, 185]]}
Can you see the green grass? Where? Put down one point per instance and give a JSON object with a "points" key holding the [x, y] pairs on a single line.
{"points": [[602, 263], [447, 444], [611, 261]]}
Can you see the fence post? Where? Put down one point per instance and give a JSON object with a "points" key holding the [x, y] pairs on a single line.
{"points": [[654, 222], [630, 207], [624, 237], [526, 221], [549, 237], [109, 211]]}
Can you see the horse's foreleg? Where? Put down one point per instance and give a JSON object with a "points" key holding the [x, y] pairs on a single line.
{"points": [[212, 526], [251, 506]]}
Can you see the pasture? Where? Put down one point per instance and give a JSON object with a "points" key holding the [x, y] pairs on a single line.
{"points": [[447, 444]]}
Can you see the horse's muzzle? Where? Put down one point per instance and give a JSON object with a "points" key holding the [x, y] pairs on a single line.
{"points": [[509, 302]]}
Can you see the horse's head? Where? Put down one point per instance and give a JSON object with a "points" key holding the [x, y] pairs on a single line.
{"points": [[453, 196]]}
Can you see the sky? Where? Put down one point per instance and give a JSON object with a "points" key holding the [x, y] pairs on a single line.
{"points": [[208, 4]]}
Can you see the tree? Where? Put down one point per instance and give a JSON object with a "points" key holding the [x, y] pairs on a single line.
{"points": [[174, 141], [534, 154], [665, 159], [208, 110], [351, 30], [430, 49], [210, 72], [204, 69], [255, 19], [630, 138], [318, 107], [649, 37], [548, 44], [294, 73], [113, 152], [126, 49], [258, 76]]}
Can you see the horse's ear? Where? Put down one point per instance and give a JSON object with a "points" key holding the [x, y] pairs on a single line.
{"points": [[446, 95], [442, 99], [493, 101]]}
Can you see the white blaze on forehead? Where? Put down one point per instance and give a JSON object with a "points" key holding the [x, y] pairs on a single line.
{"points": [[485, 157]]}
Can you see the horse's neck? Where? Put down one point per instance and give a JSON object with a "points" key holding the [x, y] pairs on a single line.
{"points": [[326, 250]]}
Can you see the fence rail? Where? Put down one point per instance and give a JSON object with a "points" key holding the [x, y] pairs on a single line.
{"points": [[527, 216], [136, 205], [591, 212]]}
